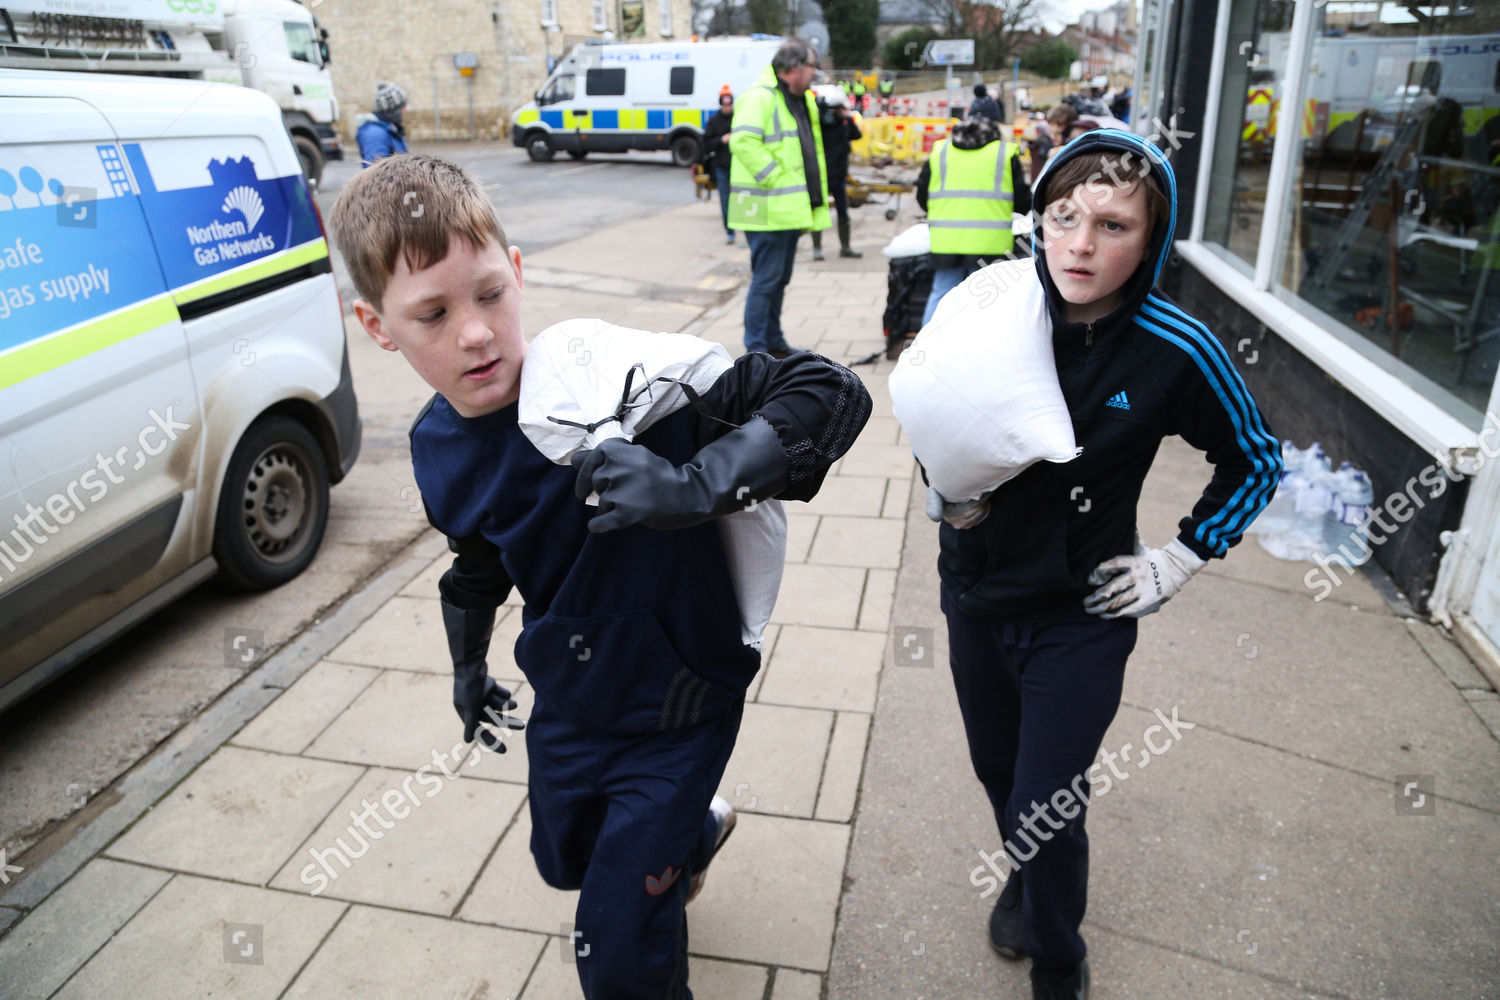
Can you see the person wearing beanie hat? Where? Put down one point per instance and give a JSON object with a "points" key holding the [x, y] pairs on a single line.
{"points": [[985, 105], [382, 134]]}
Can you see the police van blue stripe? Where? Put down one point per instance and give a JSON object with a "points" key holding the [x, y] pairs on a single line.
{"points": [[606, 119], [658, 119], [1251, 496], [553, 118], [1172, 314]]}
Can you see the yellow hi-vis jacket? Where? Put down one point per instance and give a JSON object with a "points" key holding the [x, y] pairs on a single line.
{"points": [[970, 197], [767, 179]]}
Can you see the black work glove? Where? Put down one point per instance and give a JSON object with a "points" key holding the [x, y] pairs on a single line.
{"points": [[638, 486], [476, 697]]}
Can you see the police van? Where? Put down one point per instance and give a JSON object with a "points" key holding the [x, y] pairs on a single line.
{"points": [[175, 396], [611, 98]]}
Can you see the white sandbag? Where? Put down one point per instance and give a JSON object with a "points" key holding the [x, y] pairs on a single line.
{"points": [[578, 370], [913, 241], [977, 391]]}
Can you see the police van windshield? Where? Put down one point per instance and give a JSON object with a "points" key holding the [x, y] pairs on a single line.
{"points": [[560, 88]]}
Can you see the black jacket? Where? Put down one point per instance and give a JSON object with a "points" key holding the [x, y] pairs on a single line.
{"points": [[621, 630], [1144, 372], [838, 133], [715, 140], [805, 125]]}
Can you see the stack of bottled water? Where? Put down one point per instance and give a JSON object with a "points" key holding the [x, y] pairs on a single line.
{"points": [[1316, 511]]}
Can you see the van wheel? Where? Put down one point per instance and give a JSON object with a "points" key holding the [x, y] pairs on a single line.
{"points": [[539, 148], [578, 154], [273, 508], [312, 160], [686, 151]]}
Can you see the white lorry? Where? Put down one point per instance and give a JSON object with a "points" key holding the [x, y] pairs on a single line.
{"points": [[274, 46], [611, 98]]}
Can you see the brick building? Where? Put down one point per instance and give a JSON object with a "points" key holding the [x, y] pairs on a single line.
{"points": [[511, 40]]}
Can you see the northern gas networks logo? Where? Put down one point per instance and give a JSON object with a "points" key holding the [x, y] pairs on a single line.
{"points": [[220, 241], [246, 201]]}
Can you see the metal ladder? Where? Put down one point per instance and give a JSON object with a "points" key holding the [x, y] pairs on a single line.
{"points": [[1371, 189]]}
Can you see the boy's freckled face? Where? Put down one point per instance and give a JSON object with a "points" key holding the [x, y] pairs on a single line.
{"points": [[458, 323], [1095, 239]]}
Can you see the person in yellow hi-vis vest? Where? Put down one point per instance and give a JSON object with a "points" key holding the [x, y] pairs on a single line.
{"points": [[777, 185], [970, 187]]}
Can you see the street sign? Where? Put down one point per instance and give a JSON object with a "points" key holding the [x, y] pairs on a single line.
{"points": [[949, 52]]}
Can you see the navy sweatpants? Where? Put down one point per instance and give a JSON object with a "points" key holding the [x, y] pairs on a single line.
{"points": [[625, 819], [1036, 700]]}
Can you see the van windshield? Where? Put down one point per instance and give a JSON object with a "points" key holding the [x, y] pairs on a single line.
{"points": [[301, 43], [560, 89]]}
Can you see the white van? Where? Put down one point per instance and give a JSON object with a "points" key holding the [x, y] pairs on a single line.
{"points": [[175, 395], [610, 98]]}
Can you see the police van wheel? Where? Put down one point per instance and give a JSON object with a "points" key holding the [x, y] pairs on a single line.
{"points": [[578, 154], [312, 160], [686, 151], [273, 508], [539, 148]]}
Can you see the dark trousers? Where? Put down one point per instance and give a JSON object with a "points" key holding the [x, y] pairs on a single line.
{"points": [[1036, 700], [772, 254], [721, 181], [625, 820]]}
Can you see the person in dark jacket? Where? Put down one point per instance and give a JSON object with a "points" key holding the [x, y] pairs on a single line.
{"points": [[631, 633], [382, 134], [950, 269], [716, 154], [985, 105], [840, 128], [1043, 579]]}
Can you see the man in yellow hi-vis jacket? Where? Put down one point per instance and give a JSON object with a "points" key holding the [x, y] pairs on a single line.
{"points": [[777, 186]]}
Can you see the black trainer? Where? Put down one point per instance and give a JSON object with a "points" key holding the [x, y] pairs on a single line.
{"points": [[1006, 931], [1060, 984]]}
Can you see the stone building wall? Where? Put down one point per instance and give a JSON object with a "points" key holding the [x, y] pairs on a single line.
{"points": [[413, 45]]}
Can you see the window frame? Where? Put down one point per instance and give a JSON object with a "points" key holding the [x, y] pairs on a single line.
{"points": [[549, 13], [601, 15], [1388, 387], [666, 18]]}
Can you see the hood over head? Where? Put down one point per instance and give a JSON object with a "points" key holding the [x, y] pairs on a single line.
{"points": [[1140, 160]]}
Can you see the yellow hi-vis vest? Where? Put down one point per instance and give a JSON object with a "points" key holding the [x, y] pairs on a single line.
{"points": [[969, 199], [767, 179]]}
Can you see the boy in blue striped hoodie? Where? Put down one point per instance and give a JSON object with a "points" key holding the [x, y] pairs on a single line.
{"points": [[1043, 580]]}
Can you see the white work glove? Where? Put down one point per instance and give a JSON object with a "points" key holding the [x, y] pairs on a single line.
{"points": [[961, 515], [1135, 586]]}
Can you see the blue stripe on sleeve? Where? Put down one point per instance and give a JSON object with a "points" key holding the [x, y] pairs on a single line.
{"points": [[1208, 354]]}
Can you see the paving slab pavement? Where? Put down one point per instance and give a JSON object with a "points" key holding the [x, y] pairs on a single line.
{"points": [[1271, 854]]}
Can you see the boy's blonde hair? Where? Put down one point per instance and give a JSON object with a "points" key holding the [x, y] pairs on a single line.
{"points": [[411, 204]]}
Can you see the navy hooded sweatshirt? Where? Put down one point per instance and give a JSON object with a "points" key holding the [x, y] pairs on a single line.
{"points": [[635, 630], [1146, 371]]}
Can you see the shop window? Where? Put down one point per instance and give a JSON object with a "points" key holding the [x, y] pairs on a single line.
{"points": [[1392, 227], [1253, 67]]}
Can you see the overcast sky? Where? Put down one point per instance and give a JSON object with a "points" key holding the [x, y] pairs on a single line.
{"points": [[1063, 12]]}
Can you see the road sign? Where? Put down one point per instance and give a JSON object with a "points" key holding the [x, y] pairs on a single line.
{"points": [[949, 52]]}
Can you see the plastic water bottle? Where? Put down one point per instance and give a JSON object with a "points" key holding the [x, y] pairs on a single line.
{"points": [[1276, 519], [1314, 503], [1354, 499], [1297, 510]]}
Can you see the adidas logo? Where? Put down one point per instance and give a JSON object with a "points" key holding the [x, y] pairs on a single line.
{"points": [[1119, 401]]}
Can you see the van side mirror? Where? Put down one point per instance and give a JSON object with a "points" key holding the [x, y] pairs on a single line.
{"points": [[323, 50]]}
